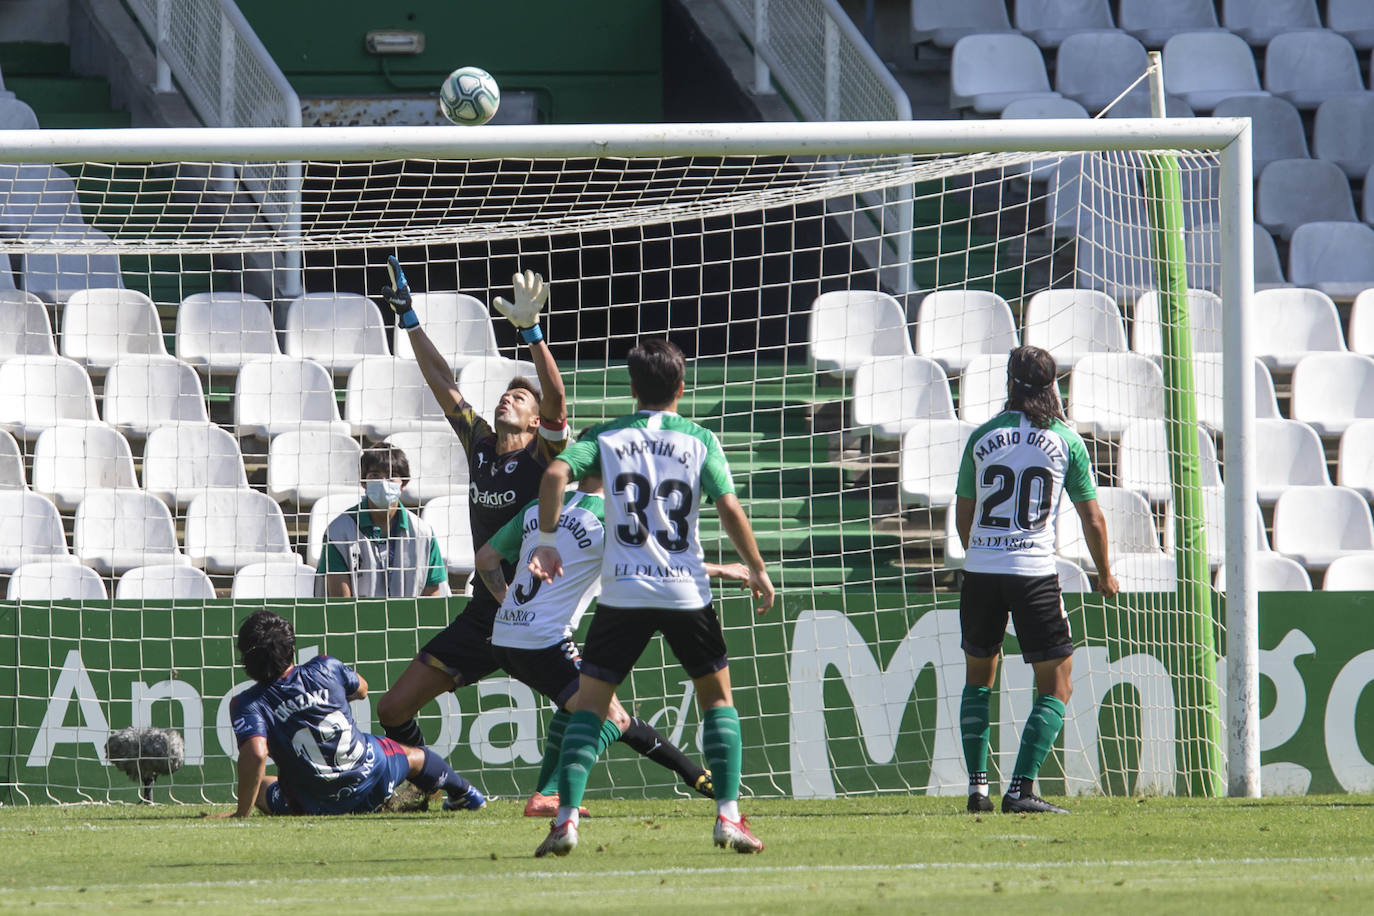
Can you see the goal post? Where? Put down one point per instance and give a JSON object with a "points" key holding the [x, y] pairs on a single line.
{"points": [[729, 238]]}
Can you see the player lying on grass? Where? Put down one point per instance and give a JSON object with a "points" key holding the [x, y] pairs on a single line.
{"points": [[299, 716], [1014, 470], [653, 579], [533, 634]]}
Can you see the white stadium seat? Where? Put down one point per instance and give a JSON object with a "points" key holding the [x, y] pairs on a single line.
{"points": [[337, 330], [1342, 133], [1290, 455], [326, 509], [1146, 572], [1154, 22], [280, 580], [1043, 106], [68, 461], [1206, 67], [848, 327], [1130, 527], [1204, 318], [119, 530], [219, 331], [24, 326], [1352, 573], [39, 392], [438, 465], [1268, 267], [954, 326], [1334, 257], [32, 532], [1332, 391], [1214, 525], [144, 393], [1072, 577], [46, 581], [448, 518], [483, 381], [989, 71], [1144, 462], [1276, 128], [35, 199], [1309, 66], [983, 388], [1095, 67], [1107, 391], [457, 324], [305, 466], [283, 394], [944, 22], [1360, 335], [1260, 21], [954, 548], [1354, 19], [53, 276], [229, 529], [1315, 525], [11, 464], [1290, 323], [894, 393], [1355, 458], [1292, 192], [100, 326], [1071, 323], [929, 462], [181, 462], [164, 583], [1052, 22], [387, 394], [1272, 572]]}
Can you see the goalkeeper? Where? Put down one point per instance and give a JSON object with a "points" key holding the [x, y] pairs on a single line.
{"points": [[1015, 468]]}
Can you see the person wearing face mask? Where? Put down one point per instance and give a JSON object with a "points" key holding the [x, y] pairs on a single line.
{"points": [[378, 549]]}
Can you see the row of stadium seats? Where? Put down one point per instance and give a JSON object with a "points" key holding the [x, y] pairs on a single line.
{"points": [[1152, 22], [48, 580]]}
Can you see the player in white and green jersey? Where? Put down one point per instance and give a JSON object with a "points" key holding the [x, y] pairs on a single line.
{"points": [[657, 466], [1015, 469]]}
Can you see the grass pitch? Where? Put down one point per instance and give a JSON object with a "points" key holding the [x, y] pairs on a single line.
{"points": [[872, 855]]}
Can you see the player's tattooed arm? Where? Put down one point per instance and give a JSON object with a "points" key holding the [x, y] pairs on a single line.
{"points": [[488, 565]]}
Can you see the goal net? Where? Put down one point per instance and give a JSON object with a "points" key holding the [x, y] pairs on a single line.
{"points": [[194, 356]]}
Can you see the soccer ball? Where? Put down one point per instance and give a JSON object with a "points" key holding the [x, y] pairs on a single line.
{"points": [[469, 96]]}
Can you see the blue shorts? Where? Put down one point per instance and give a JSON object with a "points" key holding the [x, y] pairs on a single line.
{"points": [[368, 795]]}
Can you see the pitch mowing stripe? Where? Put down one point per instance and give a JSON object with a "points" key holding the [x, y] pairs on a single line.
{"points": [[1016, 865]]}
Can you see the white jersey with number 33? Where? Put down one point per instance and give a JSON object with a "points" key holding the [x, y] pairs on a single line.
{"points": [[655, 467]]}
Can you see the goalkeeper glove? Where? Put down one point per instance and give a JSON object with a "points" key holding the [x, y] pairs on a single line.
{"points": [[397, 295], [530, 296]]}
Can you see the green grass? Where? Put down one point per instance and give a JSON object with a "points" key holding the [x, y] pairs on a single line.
{"points": [[872, 855]]}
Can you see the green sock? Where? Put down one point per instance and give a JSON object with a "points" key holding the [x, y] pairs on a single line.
{"points": [[610, 734], [975, 714], [724, 750], [553, 748], [581, 747], [1042, 728]]}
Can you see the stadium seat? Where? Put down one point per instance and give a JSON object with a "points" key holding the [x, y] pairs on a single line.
{"points": [[283, 394], [1130, 528], [24, 326], [954, 548], [1360, 334], [1315, 525], [326, 509], [483, 381], [337, 330], [1204, 317], [164, 583], [1093, 68], [929, 463], [1287, 324], [1154, 22], [1352, 573], [68, 461], [1137, 104], [39, 392], [1107, 391], [1043, 106], [1146, 572], [1336, 258], [36, 198], [303, 467], [11, 464], [100, 326], [458, 325], [1116, 255], [1333, 390], [229, 529], [1354, 19], [54, 275], [983, 388], [1206, 67], [953, 326], [943, 22], [1343, 134], [1291, 455], [448, 518], [1355, 458], [1261, 21], [48, 581], [17, 115], [118, 530], [181, 462], [1272, 572], [989, 71], [1268, 267], [1209, 382], [1276, 130], [1296, 191], [1071, 323], [1214, 522], [1309, 66], [438, 465], [33, 530], [1072, 577], [387, 394], [144, 393], [848, 327], [1144, 464], [275, 580], [892, 394], [218, 332], [1052, 22]]}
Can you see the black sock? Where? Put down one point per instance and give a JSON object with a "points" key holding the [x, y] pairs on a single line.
{"points": [[646, 741], [437, 774], [407, 733], [1018, 786]]}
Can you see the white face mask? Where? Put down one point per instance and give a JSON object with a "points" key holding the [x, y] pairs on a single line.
{"points": [[383, 494]]}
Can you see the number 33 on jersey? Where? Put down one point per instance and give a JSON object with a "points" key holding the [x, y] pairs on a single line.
{"points": [[1016, 473], [656, 466]]}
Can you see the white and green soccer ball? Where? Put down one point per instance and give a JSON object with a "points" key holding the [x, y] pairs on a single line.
{"points": [[469, 96]]}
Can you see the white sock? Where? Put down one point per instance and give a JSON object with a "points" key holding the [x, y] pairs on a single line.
{"points": [[978, 789], [566, 814], [728, 809]]}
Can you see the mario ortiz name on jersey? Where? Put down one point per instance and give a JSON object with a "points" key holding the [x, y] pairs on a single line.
{"points": [[1004, 438]]}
